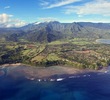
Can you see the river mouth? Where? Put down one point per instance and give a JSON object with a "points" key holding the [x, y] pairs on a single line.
{"points": [[17, 85], [103, 41]]}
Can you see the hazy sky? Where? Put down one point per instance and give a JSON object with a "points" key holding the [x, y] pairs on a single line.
{"points": [[21, 12]]}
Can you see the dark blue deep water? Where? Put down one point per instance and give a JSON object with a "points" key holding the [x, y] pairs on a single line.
{"points": [[87, 86]]}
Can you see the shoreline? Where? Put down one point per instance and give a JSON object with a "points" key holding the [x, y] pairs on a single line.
{"points": [[32, 72], [69, 67], [7, 65]]}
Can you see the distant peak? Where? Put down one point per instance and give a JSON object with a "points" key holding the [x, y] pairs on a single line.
{"points": [[36, 23], [54, 22], [50, 22]]}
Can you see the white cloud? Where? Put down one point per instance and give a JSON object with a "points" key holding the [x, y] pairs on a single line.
{"points": [[7, 7], [94, 20], [7, 21], [4, 18], [17, 23], [47, 19], [58, 3], [97, 7], [44, 3]]}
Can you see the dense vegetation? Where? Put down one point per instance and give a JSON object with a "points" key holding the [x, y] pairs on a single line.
{"points": [[54, 43], [78, 52]]}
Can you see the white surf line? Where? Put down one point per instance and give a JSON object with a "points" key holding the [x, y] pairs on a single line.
{"points": [[39, 80], [77, 76], [32, 79], [45, 80], [60, 79], [101, 73], [71, 76], [106, 72], [74, 76], [29, 78], [52, 80], [88, 75], [84, 75]]}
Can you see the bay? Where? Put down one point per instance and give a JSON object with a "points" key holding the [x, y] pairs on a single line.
{"points": [[104, 41]]}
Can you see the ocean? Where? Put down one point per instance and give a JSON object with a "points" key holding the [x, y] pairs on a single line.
{"points": [[85, 86]]}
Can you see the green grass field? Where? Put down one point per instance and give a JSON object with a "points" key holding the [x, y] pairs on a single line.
{"points": [[77, 52]]}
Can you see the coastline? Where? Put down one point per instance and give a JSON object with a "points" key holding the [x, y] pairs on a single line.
{"points": [[7, 65], [31, 72]]}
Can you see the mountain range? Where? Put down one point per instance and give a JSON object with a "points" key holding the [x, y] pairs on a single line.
{"points": [[51, 31]]}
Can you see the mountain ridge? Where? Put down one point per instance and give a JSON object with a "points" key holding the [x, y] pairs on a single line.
{"points": [[51, 31]]}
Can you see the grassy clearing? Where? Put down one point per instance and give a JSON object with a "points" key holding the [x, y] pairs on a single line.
{"points": [[37, 58], [77, 41], [52, 57], [81, 41], [57, 42], [26, 52]]}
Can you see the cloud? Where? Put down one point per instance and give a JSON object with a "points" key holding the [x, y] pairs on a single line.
{"points": [[44, 3], [96, 7], [7, 7], [47, 19], [94, 20], [6, 20], [58, 3], [16, 23]]}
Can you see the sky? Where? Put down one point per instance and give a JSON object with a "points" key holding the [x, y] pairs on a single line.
{"points": [[17, 13]]}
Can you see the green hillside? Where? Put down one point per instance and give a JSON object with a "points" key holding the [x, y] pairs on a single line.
{"points": [[54, 43], [52, 31], [78, 53]]}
